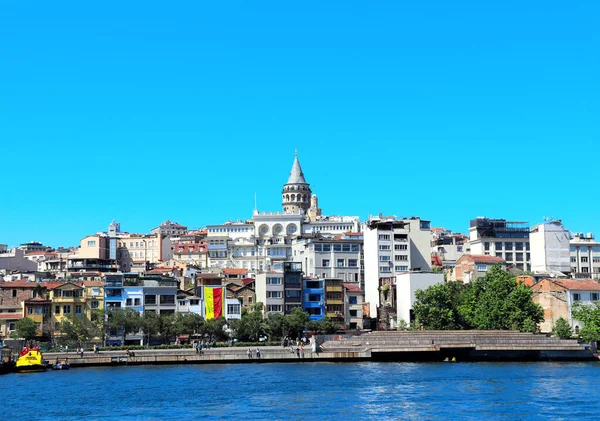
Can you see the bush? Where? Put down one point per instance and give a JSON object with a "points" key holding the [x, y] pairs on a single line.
{"points": [[562, 329]]}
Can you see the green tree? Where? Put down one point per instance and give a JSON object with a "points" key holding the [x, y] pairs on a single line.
{"points": [[296, 322], [25, 328], [562, 329], [150, 325], [589, 314], [214, 328], [77, 330], [166, 327], [188, 323], [326, 325], [125, 320], [276, 326], [497, 302], [436, 306]]}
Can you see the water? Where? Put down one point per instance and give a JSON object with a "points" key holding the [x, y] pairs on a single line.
{"points": [[370, 391]]}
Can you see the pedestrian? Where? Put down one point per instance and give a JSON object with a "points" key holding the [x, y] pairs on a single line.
{"points": [[302, 351], [257, 354], [298, 352], [67, 349], [292, 348], [197, 347], [202, 345], [249, 352], [81, 352]]}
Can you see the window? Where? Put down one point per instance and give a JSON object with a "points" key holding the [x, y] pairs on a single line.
{"points": [[326, 247], [273, 294], [401, 257], [150, 299], [57, 310], [399, 247], [325, 263], [345, 247], [353, 300], [594, 296], [337, 247], [355, 247], [129, 302], [499, 254], [486, 246], [508, 246], [573, 259], [596, 259], [14, 292], [401, 268], [11, 326], [519, 246], [340, 263], [498, 245], [313, 298], [78, 309], [508, 257], [67, 309], [384, 236], [167, 299], [584, 269], [584, 259], [314, 311], [385, 247], [385, 258], [29, 310], [233, 309], [519, 257], [91, 243], [353, 313], [384, 269], [481, 267], [318, 247], [352, 263], [576, 296], [138, 301], [292, 293], [273, 281], [274, 308]]}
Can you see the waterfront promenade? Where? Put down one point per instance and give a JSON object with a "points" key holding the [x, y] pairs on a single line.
{"points": [[376, 346]]}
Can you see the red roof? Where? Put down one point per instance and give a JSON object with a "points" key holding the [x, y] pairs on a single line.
{"points": [[93, 283], [10, 316], [482, 258], [235, 271], [20, 284], [352, 287], [247, 281], [578, 285]]}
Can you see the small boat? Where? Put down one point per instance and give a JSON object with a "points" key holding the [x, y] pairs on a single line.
{"points": [[30, 360], [7, 365], [63, 365]]}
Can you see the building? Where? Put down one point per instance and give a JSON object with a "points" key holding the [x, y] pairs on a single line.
{"points": [[387, 252], [14, 260], [92, 255], [313, 298], [33, 246], [406, 286], [14, 297], [549, 244], [500, 238], [470, 266], [557, 296], [296, 193], [270, 292], [140, 252], [292, 286], [353, 306], [446, 246], [245, 293], [334, 300], [337, 257], [585, 256], [169, 229], [160, 294]]}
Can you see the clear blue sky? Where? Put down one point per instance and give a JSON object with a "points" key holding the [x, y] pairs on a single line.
{"points": [[149, 111]]}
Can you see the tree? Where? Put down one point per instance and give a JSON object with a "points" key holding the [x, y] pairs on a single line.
{"points": [[562, 329], [497, 302], [296, 322], [187, 323], [589, 314], [214, 328], [25, 328], [325, 325], [276, 326], [150, 324], [124, 321], [166, 327], [76, 330], [436, 306]]}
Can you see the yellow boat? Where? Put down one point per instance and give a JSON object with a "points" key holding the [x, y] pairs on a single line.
{"points": [[30, 360]]}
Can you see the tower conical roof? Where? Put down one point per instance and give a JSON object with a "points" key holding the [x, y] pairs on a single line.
{"points": [[296, 175]]}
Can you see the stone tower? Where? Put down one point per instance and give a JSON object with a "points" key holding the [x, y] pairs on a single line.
{"points": [[296, 192]]}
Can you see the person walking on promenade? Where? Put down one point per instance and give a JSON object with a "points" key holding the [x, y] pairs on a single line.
{"points": [[81, 352], [298, 352], [257, 354], [249, 352], [302, 351]]}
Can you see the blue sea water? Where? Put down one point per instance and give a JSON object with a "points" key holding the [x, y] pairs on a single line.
{"points": [[327, 391]]}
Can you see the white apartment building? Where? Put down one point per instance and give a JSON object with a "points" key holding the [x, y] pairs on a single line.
{"points": [[269, 289], [549, 244], [406, 286], [386, 254], [500, 238], [336, 257], [585, 256]]}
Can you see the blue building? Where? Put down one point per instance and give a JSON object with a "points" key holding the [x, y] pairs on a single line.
{"points": [[123, 291], [313, 298]]}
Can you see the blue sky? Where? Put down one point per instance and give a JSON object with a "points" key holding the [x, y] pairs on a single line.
{"points": [[142, 112]]}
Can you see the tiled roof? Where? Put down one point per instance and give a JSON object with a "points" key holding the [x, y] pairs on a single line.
{"points": [[20, 284], [482, 258], [10, 316], [232, 271], [352, 287], [93, 283], [578, 285], [247, 281]]}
